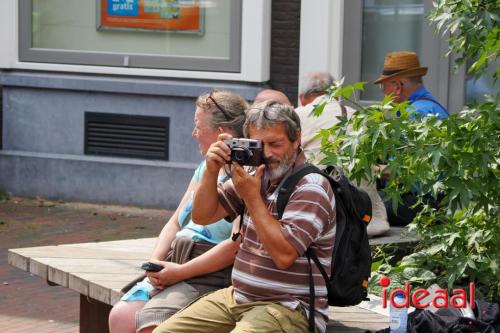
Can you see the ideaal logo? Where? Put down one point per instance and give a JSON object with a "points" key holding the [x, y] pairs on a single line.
{"points": [[420, 297]]}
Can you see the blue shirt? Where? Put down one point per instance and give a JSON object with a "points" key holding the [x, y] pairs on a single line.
{"points": [[426, 106], [213, 233]]}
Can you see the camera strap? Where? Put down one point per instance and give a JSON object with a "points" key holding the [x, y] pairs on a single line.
{"points": [[235, 236]]}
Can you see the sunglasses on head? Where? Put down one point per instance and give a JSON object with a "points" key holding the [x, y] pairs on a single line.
{"points": [[271, 112], [224, 112]]}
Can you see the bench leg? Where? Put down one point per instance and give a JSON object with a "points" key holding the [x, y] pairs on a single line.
{"points": [[93, 315]]}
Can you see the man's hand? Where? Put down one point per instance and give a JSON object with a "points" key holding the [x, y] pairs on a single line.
{"points": [[383, 170], [218, 154], [247, 186], [169, 275], [268, 228]]}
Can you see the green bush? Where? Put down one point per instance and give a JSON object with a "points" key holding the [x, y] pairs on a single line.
{"points": [[457, 157]]}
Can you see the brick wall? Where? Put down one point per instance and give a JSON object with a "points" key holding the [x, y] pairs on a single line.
{"points": [[1, 117], [285, 42]]}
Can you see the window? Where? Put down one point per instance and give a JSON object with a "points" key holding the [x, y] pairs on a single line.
{"points": [[380, 35], [110, 33], [372, 28], [476, 89]]}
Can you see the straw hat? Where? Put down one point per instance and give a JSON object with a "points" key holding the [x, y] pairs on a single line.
{"points": [[401, 64]]}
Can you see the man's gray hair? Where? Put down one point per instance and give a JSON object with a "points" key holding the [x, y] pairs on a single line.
{"points": [[269, 113], [316, 83], [413, 79], [227, 109]]}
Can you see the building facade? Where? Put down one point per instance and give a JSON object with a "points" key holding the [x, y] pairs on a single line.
{"points": [[98, 95]]}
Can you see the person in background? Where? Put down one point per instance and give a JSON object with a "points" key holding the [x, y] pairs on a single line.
{"points": [[196, 259], [312, 93], [272, 95], [402, 79]]}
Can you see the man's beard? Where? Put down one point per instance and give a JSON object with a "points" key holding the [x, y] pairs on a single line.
{"points": [[283, 167]]}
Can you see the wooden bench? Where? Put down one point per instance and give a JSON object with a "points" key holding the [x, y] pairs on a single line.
{"points": [[98, 271], [398, 236]]}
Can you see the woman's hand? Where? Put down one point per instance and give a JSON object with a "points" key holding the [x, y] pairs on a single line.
{"points": [[169, 275]]}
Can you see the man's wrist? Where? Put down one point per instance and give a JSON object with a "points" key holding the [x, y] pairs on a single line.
{"points": [[212, 173], [254, 202]]}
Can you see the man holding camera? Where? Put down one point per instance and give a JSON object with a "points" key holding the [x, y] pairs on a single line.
{"points": [[270, 291]]}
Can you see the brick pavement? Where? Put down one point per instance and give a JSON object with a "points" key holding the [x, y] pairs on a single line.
{"points": [[27, 303]]}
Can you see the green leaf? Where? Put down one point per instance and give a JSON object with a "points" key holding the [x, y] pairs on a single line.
{"points": [[435, 249], [436, 156], [414, 274], [452, 238], [493, 266], [318, 109], [376, 265], [359, 85]]}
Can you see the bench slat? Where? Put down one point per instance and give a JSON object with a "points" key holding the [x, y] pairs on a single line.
{"points": [[354, 319], [72, 252], [19, 261], [39, 268], [396, 235]]}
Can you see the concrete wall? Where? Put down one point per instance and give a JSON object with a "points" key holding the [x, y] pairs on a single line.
{"points": [[43, 136]]}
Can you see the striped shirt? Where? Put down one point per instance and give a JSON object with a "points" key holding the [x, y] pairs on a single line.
{"points": [[308, 220]]}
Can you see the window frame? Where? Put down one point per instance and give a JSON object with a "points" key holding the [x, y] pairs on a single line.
{"points": [[445, 83], [232, 64]]}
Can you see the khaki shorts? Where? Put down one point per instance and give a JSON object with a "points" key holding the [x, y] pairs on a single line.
{"points": [[167, 302], [218, 312]]}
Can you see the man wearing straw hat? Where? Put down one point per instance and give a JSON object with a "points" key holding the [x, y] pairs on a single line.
{"points": [[402, 78]]}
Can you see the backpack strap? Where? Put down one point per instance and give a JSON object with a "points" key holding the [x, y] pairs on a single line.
{"points": [[285, 190], [312, 294], [288, 186], [284, 193], [434, 101], [312, 254]]}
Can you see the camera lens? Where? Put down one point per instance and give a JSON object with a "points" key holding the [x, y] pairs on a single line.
{"points": [[241, 155]]}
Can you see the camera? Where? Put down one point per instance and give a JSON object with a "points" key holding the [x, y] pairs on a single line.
{"points": [[245, 151]]}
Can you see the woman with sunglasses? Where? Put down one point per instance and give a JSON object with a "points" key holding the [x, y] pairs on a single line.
{"points": [[195, 259]]}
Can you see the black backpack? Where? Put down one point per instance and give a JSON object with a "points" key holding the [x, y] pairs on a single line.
{"points": [[351, 260]]}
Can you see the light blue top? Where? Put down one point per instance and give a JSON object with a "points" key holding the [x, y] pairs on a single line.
{"points": [[213, 233], [427, 106]]}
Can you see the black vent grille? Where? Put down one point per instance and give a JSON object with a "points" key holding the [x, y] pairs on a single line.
{"points": [[126, 135]]}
